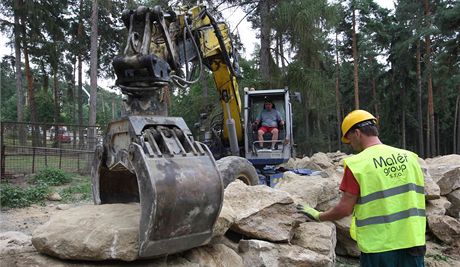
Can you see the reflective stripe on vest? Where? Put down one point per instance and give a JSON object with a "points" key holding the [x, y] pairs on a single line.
{"points": [[391, 192], [390, 213], [391, 218]]}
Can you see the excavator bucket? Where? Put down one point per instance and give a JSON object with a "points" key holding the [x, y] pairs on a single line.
{"points": [[154, 161]]}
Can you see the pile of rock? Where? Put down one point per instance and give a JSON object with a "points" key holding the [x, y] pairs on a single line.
{"points": [[258, 225]]}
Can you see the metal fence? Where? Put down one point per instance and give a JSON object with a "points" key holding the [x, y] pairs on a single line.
{"points": [[28, 148]]}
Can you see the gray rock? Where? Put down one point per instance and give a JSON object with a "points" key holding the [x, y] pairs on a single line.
{"points": [[54, 197], [257, 253], [13, 242], [224, 221], [454, 209], [345, 244], [91, 232], [439, 165], [262, 212], [432, 190], [437, 206], [446, 228], [307, 163], [322, 160], [63, 207], [318, 237], [438, 255], [214, 255], [449, 181], [312, 190]]}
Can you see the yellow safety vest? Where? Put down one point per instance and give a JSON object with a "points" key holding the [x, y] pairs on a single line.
{"points": [[390, 211]]}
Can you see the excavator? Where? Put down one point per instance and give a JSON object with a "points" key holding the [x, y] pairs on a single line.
{"points": [[153, 159]]}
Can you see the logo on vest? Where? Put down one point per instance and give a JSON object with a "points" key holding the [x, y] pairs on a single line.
{"points": [[393, 166]]}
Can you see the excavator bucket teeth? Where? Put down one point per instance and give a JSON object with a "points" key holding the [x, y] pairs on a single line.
{"points": [[179, 188]]}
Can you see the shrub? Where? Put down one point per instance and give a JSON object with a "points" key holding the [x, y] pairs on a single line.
{"points": [[51, 176], [76, 192], [17, 197]]}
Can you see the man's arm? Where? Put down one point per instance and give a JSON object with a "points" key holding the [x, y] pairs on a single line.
{"points": [[280, 119], [342, 209]]}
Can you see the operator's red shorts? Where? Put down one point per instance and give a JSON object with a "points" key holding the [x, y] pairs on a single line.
{"points": [[266, 129]]}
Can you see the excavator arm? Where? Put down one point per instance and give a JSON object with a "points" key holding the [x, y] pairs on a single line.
{"points": [[150, 158], [159, 44]]}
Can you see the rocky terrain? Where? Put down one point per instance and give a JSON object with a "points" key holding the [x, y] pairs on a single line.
{"points": [[258, 225]]}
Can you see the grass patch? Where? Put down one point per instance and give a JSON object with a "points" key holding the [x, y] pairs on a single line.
{"points": [[51, 176], [17, 197], [76, 192], [70, 188], [438, 257]]}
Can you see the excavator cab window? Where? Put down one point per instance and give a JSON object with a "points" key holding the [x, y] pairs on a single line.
{"points": [[256, 107]]}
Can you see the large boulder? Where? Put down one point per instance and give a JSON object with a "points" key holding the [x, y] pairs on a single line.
{"points": [[345, 244], [449, 181], [432, 190], [262, 212], [439, 165], [446, 228], [437, 206], [322, 160], [307, 163], [214, 255], [91, 232], [337, 157], [312, 190], [318, 237], [454, 209], [262, 253], [225, 220]]}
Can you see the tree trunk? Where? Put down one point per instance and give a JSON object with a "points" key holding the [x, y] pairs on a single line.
{"points": [[337, 93], [355, 60], [74, 103], [428, 134], [374, 92], [80, 80], [93, 68], [429, 80], [45, 76], [56, 104], [30, 85], [283, 65], [265, 42], [403, 115], [19, 89], [456, 149], [419, 102]]}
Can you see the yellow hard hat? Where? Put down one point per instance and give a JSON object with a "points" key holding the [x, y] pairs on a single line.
{"points": [[353, 118]]}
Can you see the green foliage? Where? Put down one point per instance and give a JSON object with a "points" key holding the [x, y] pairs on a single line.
{"points": [[76, 192], [51, 176], [17, 197]]}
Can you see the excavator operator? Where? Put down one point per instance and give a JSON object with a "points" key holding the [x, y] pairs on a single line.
{"points": [[269, 120]]}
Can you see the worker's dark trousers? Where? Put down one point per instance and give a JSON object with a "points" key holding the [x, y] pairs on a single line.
{"points": [[411, 257]]}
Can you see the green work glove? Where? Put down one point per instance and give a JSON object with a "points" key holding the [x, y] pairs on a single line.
{"points": [[309, 211]]}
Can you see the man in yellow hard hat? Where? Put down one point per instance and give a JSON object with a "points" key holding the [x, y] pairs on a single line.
{"points": [[383, 187]]}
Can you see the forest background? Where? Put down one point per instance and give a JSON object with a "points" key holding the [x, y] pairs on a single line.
{"points": [[402, 65]]}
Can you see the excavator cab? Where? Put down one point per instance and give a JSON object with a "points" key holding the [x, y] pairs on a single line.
{"points": [[257, 152]]}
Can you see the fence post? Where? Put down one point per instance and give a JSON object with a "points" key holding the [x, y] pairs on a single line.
{"points": [[2, 151], [33, 159], [60, 157]]}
